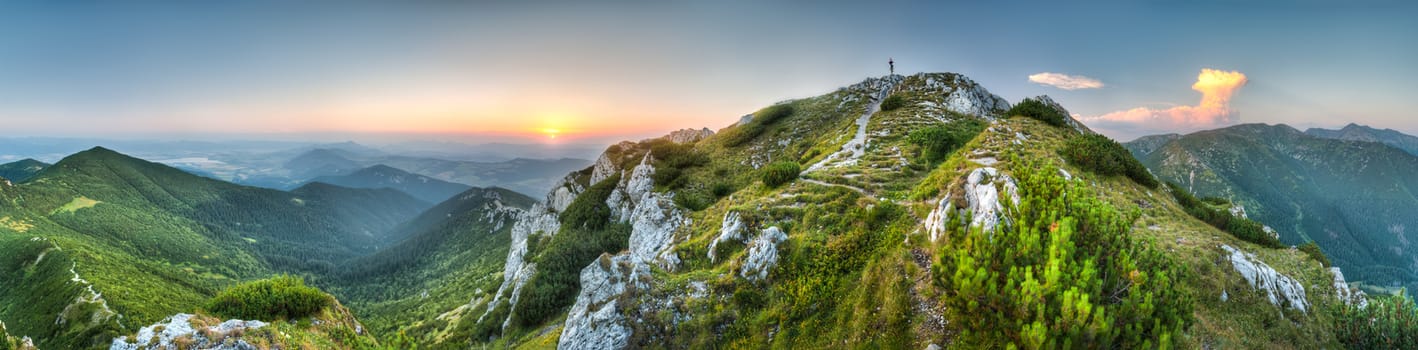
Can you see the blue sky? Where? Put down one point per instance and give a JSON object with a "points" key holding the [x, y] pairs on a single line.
{"points": [[628, 69]]}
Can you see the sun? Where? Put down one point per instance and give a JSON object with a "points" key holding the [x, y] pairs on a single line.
{"points": [[551, 132]]}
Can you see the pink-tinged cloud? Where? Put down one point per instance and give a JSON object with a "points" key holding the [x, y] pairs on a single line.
{"points": [[1216, 87], [1065, 81]]}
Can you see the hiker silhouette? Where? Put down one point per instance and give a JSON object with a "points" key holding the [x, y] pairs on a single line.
{"points": [[891, 62]]}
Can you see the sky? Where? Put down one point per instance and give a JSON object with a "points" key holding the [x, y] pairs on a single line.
{"points": [[553, 72]]}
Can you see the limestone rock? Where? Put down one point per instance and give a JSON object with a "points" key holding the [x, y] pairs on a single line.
{"points": [[603, 169], [1277, 287], [1346, 294], [762, 254], [732, 229], [595, 321], [689, 135], [162, 335], [983, 187]]}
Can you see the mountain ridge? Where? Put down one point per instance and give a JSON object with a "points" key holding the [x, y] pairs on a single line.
{"points": [[1349, 196], [1356, 132], [377, 176]]}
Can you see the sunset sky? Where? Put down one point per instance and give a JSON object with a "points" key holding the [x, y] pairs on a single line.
{"points": [[601, 71]]}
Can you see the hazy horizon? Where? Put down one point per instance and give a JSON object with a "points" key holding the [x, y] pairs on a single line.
{"points": [[551, 73]]}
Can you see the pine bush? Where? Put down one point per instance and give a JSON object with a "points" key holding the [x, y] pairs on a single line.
{"points": [[1063, 273]]}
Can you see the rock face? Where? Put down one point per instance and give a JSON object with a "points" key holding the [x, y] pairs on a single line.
{"points": [[732, 229], [971, 98], [1277, 287], [596, 322], [540, 219], [762, 254], [653, 216], [961, 95], [1346, 294], [177, 329], [983, 187], [603, 169], [689, 135]]}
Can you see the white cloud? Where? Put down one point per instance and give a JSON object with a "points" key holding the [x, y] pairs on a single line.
{"points": [[1065, 81], [1214, 110]]}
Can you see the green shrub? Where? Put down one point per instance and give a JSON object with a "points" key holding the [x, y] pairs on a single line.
{"points": [[1065, 273], [938, 141], [721, 189], [1314, 251], [279, 298], [553, 288], [589, 210], [587, 231], [780, 173], [1038, 110], [671, 162], [1245, 229], [1102, 155], [892, 103], [1386, 323]]}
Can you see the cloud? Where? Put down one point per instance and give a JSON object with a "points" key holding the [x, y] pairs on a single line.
{"points": [[1065, 81], [1217, 87]]}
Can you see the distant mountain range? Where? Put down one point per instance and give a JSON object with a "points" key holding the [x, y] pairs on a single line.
{"points": [[1357, 199], [382, 176], [1355, 132]]}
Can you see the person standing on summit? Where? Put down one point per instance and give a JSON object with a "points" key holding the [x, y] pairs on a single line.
{"points": [[892, 63]]}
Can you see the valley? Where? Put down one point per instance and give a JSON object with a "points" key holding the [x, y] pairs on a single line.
{"points": [[832, 221]]}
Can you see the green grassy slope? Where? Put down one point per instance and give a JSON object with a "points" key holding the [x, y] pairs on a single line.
{"points": [[151, 241], [858, 269]]}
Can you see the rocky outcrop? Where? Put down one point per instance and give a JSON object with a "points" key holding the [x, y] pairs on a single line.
{"points": [[596, 321], [982, 189], [540, 219], [1068, 118], [604, 168], [177, 332], [1280, 289], [970, 98], [732, 229], [744, 120], [1346, 294], [561, 196], [689, 135], [653, 216], [762, 254]]}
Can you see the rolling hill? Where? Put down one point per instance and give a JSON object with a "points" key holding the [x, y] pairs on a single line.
{"points": [[21, 170], [102, 242]]}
